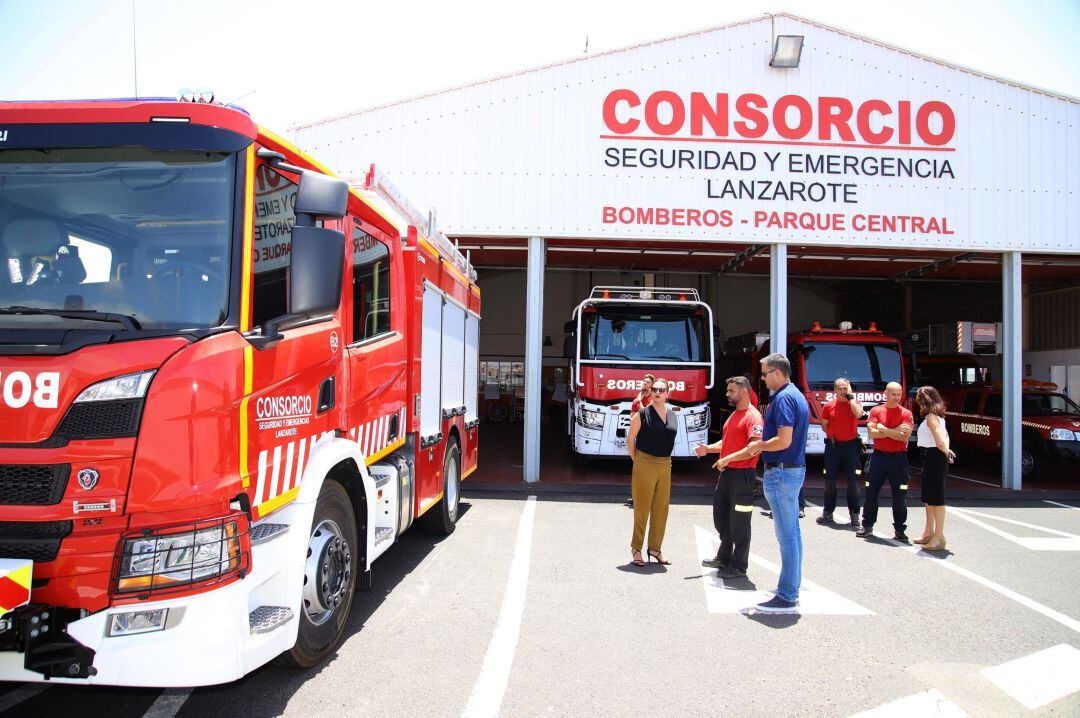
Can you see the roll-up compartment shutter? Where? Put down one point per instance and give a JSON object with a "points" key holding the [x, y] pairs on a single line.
{"points": [[431, 363], [453, 358], [472, 365]]}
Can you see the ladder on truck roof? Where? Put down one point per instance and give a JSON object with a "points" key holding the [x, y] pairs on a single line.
{"points": [[378, 184], [646, 293]]}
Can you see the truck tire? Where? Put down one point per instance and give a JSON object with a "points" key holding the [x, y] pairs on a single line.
{"points": [[329, 578], [442, 517], [1033, 461]]}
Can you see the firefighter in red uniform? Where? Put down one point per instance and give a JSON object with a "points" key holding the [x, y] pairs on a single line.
{"points": [[890, 425], [843, 450], [733, 500]]}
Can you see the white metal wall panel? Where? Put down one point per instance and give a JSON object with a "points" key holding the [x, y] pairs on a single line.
{"points": [[524, 155], [430, 363], [472, 365], [453, 356]]}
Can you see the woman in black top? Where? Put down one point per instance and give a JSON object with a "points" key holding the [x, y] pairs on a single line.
{"points": [[650, 442]]}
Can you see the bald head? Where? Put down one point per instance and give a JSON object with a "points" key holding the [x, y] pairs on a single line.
{"points": [[894, 394]]}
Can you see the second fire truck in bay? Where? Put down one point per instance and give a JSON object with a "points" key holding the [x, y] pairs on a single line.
{"points": [[868, 358], [618, 335], [228, 383]]}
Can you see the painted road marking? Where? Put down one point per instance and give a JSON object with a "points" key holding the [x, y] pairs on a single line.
{"points": [[17, 695], [1064, 506], [1040, 678], [1067, 621], [929, 704], [1062, 541], [168, 704], [813, 598], [490, 686]]}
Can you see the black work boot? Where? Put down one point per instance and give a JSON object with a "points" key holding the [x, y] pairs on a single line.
{"points": [[826, 519]]}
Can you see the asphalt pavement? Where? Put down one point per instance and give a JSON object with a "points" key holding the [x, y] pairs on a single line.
{"points": [[532, 607]]}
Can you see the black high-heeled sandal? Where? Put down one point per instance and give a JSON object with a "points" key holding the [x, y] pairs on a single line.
{"points": [[636, 561], [659, 560]]}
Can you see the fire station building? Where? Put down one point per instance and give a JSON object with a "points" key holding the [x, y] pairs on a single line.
{"points": [[788, 171]]}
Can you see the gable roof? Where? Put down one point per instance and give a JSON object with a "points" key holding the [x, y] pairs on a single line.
{"points": [[761, 18]]}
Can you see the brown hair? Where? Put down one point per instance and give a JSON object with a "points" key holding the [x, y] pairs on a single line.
{"points": [[647, 379], [929, 401]]}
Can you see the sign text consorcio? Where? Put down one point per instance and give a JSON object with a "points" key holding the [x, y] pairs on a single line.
{"points": [[834, 118]]}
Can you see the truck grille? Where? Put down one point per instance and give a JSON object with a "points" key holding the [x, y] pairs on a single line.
{"points": [[102, 419], [33, 485], [38, 541]]}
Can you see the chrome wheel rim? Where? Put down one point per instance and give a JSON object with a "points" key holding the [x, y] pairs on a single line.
{"points": [[327, 572]]}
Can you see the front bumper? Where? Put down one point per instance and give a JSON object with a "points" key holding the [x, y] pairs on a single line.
{"points": [[1064, 452], [815, 439], [208, 639], [610, 439]]}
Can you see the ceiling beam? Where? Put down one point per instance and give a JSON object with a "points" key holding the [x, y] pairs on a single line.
{"points": [[933, 266], [741, 258]]}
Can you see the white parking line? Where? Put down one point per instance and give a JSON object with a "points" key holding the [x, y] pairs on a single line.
{"points": [[168, 704], [1040, 678], [17, 695], [1064, 506], [928, 704], [490, 686], [1067, 621], [1065, 542], [813, 599]]}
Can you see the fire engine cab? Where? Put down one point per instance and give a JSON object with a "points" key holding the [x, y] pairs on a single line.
{"points": [[618, 335], [228, 383], [867, 358]]}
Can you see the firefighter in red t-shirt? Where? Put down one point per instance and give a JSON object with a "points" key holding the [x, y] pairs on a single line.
{"points": [[843, 450], [890, 425], [733, 499]]}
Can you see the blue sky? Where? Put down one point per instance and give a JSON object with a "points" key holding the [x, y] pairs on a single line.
{"points": [[294, 61]]}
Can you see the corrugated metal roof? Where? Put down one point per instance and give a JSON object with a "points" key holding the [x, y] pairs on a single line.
{"points": [[694, 33]]}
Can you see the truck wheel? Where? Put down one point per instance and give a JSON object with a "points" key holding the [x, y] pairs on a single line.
{"points": [[1032, 463], [329, 578], [442, 517]]}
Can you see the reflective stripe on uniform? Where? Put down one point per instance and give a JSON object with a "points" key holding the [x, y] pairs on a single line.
{"points": [[903, 487], [745, 508]]}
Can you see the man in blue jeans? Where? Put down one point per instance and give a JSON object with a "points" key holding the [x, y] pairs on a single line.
{"points": [[783, 450]]}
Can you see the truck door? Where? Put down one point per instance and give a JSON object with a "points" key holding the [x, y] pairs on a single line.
{"points": [[375, 353]]}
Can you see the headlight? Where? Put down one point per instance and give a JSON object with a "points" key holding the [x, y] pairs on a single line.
{"points": [[697, 422], [591, 419], [179, 557], [129, 386], [1062, 435]]}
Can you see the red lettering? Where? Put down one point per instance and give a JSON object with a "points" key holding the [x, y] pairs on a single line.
{"points": [[806, 117], [652, 114], [835, 112], [611, 118], [862, 121], [948, 123], [715, 114], [904, 110], [749, 107]]}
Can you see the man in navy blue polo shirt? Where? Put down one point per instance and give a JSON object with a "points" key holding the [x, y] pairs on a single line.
{"points": [[783, 451]]}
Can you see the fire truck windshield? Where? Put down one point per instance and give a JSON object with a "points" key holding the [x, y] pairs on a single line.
{"points": [[129, 236], [634, 334], [869, 367]]}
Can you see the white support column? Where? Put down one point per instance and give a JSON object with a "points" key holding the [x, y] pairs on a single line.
{"points": [[1012, 369], [778, 298], [534, 356]]}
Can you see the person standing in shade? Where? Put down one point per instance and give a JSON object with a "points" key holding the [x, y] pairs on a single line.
{"points": [[890, 425], [933, 441], [783, 449], [733, 499], [650, 442], [843, 450]]}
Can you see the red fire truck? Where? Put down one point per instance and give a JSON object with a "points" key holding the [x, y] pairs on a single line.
{"points": [[868, 358], [228, 383], [618, 335]]}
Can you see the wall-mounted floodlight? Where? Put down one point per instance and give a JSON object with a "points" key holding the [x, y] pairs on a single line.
{"points": [[787, 49]]}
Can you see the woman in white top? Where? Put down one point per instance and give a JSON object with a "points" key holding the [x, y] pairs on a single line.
{"points": [[933, 440]]}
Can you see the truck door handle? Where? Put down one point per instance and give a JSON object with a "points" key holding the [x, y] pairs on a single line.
{"points": [[327, 394]]}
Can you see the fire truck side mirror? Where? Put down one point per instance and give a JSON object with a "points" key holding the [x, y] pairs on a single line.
{"points": [[568, 348], [321, 196], [318, 261]]}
